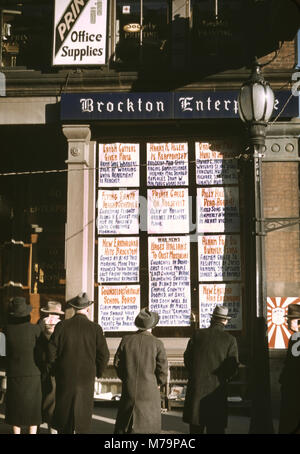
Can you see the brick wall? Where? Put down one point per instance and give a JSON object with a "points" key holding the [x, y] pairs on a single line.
{"points": [[281, 199], [286, 58]]}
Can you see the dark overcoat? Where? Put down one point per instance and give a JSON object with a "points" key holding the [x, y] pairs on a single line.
{"points": [[141, 363], [78, 353], [290, 384], [211, 358], [23, 397]]}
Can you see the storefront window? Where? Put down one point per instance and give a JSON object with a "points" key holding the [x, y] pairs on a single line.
{"points": [[142, 32]]}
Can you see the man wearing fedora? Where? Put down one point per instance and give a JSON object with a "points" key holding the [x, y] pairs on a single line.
{"points": [[141, 363], [211, 358], [78, 353], [51, 314], [289, 421]]}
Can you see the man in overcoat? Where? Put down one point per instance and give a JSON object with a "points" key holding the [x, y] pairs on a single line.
{"points": [[211, 358], [141, 363], [289, 422], [78, 353]]}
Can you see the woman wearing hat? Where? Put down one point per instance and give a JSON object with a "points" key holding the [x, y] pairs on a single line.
{"points": [[141, 364], [24, 396], [290, 377], [50, 316]]}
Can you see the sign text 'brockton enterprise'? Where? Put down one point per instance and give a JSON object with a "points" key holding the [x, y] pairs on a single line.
{"points": [[163, 105]]}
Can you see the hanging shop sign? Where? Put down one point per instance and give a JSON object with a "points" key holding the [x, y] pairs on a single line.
{"points": [[79, 32], [168, 210], [118, 307], [119, 165], [164, 105], [278, 332], [167, 164], [118, 212], [118, 259], [214, 167], [229, 295], [218, 209], [169, 279], [219, 258]]}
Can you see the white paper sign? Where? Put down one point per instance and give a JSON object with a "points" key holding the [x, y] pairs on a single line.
{"points": [[229, 295], [218, 209], [167, 164], [118, 212], [80, 32], [119, 165], [219, 258], [118, 307], [118, 259], [169, 279], [168, 210], [214, 167]]}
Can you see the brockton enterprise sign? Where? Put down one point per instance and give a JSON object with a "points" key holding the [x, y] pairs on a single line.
{"points": [[79, 32], [164, 105]]}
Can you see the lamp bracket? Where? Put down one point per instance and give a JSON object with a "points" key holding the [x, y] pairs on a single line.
{"points": [[272, 224]]}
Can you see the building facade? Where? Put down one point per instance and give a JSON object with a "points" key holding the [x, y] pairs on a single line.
{"points": [[123, 164]]}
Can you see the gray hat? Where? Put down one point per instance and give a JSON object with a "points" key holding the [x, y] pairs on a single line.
{"points": [[80, 301], [146, 319], [53, 307], [18, 307], [221, 312], [293, 311]]}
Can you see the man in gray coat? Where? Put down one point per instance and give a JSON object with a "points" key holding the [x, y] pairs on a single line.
{"points": [[141, 364], [77, 353], [211, 358]]}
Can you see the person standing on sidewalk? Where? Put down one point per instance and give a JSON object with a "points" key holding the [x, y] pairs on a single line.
{"points": [[289, 422], [78, 353], [211, 358], [24, 394], [141, 363], [50, 316]]}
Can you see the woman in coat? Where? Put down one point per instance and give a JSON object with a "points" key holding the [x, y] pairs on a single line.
{"points": [[141, 364], [23, 396]]}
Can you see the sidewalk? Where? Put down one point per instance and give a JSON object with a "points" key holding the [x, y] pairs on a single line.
{"points": [[104, 416]]}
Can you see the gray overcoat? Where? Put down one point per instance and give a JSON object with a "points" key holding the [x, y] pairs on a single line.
{"points": [[141, 364], [78, 353], [211, 358]]}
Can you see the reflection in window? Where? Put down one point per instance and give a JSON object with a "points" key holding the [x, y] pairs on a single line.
{"points": [[142, 32]]}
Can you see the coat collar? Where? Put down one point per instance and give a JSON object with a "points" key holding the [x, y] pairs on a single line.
{"points": [[218, 326]]}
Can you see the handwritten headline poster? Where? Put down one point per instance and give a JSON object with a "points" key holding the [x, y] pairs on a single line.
{"points": [[118, 259], [218, 209], [167, 164], [219, 257], [277, 309], [229, 295], [119, 165], [118, 212], [169, 279], [118, 307], [214, 167], [168, 210]]}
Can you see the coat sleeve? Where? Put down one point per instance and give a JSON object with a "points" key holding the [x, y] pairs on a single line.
{"points": [[118, 362], [53, 346], [102, 352], [161, 371], [232, 360], [188, 355]]}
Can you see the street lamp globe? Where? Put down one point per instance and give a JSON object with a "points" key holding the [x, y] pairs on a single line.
{"points": [[255, 104]]}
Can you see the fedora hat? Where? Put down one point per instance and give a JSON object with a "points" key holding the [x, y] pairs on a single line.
{"points": [[53, 307], [293, 311], [80, 301], [221, 312], [18, 307], [146, 319]]}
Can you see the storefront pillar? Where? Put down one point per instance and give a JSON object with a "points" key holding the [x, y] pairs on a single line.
{"points": [[80, 227]]}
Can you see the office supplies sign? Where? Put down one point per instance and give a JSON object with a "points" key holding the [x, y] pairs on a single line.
{"points": [[79, 32]]}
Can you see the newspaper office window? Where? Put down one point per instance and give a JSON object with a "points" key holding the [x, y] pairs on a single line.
{"points": [[141, 32]]}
